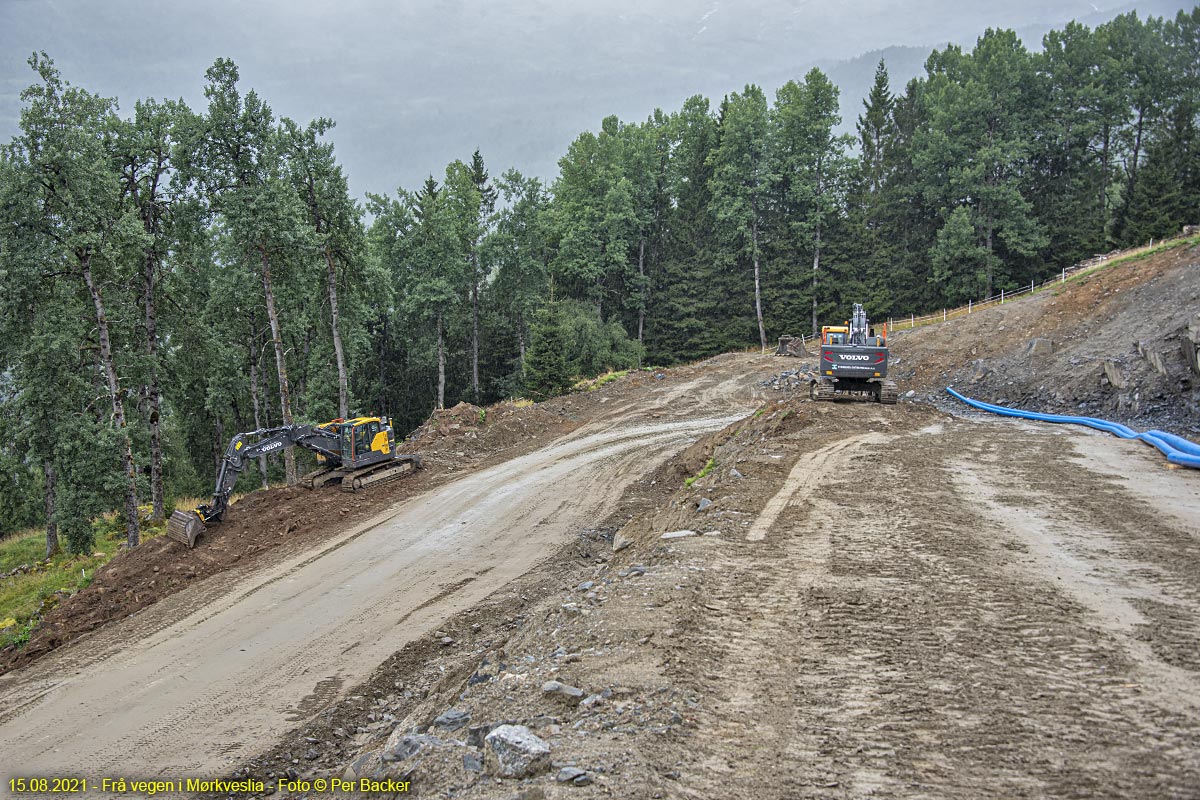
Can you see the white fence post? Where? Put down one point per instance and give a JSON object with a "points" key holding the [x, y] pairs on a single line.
{"points": [[912, 321], [943, 315], [968, 306], [1001, 297]]}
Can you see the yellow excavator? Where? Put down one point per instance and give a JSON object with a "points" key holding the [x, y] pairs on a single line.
{"points": [[353, 453]]}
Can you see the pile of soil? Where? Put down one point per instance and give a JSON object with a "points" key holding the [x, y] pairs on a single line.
{"points": [[1109, 344]]}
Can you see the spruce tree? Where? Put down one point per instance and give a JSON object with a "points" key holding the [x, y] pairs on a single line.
{"points": [[546, 373]]}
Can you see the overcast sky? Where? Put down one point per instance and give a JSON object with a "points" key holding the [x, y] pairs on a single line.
{"points": [[413, 85]]}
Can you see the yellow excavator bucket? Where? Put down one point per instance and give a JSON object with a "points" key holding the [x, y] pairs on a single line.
{"points": [[185, 526]]}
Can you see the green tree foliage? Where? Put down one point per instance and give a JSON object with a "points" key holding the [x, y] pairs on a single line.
{"points": [[518, 254], [983, 117], [69, 219], [812, 174], [546, 371]]}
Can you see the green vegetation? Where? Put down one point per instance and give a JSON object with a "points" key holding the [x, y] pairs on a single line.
{"points": [[26, 547], [25, 596], [592, 384], [707, 469], [229, 233]]}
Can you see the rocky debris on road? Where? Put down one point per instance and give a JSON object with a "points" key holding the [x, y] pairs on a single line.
{"points": [[573, 775], [677, 534], [790, 380], [611, 660], [587, 650]]}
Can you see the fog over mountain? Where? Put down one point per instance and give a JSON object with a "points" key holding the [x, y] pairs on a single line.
{"points": [[413, 85]]}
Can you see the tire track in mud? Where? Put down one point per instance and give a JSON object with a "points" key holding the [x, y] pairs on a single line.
{"points": [[803, 478]]}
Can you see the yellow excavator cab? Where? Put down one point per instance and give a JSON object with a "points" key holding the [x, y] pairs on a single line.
{"points": [[834, 334]]}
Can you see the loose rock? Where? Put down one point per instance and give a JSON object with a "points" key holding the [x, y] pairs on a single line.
{"points": [[562, 689], [514, 751], [677, 534], [452, 719], [574, 775]]}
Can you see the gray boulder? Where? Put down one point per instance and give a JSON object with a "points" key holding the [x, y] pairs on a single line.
{"points": [[514, 751]]}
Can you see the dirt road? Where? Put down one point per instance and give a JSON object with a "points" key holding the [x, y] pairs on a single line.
{"points": [[970, 608], [206, 678]]}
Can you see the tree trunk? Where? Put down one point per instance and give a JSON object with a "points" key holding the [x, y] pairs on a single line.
{"points": [[1104, 168], [262, 460], [382, 364], [1137, 151], [219, 450], [989, 259], [339, 354], [285, 399], [118, 407], [815, 271], [641, 290], [441, 359], [475, 322], [1133, 169], [153, 392], [521, 340], [762, 332], [52, 547]]}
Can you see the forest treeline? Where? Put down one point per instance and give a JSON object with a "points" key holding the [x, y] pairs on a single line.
{"points": [[177, 275]]}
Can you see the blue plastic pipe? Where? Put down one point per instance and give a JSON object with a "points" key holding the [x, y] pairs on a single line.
{"points": [[1177, 449]]}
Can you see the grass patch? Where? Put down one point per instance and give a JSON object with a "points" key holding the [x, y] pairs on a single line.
{"points": [[707, 469], [23, 597], [592, 384], [25, 547]]}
